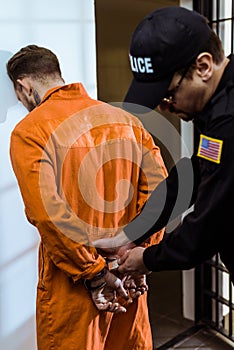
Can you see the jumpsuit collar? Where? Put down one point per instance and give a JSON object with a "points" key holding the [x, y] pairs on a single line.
{"points": [[65, 91]]}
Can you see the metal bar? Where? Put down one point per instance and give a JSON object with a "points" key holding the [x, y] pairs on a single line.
{"points": [[219, 266], [205, 7], [220, 298], [230, 308], [216, 290], [206, 291], [199, 295], [223, 19], [217, 16], [219, 329], [232, 30]]}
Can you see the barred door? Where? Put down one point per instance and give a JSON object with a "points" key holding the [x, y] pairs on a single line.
{"points": [[214, 291]]}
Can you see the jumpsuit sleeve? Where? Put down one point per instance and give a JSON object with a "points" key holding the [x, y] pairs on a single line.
{"points": [[63, 235], [152, 173], [202, 233]]}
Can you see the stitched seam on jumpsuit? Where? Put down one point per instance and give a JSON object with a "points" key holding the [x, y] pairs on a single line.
{"points": [[50, 333]]}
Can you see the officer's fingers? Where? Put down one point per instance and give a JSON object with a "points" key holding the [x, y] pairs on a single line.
{"points": [[125, 248], [130, 284], [124, 257], [127, 267], [123, 268]]}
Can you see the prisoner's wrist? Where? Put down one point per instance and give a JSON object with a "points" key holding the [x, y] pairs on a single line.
{"points": [[98, 281]]}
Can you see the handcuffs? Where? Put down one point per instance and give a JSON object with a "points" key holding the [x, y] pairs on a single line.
{"points": [[111, 265]]}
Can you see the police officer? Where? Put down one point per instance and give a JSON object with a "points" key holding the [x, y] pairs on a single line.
{"points": [[179, 65]]}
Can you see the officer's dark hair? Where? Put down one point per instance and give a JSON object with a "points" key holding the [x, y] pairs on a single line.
{"points": [[34, 61], [214, 47]]}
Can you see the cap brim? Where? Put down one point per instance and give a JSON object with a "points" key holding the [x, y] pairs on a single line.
{"points": [[146, 94]]}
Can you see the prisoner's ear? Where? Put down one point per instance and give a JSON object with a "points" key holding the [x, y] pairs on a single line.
{"points": [[205, 66], [25, 85]]}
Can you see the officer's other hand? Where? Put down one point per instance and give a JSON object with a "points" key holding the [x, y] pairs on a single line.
{"points": [[114, 246], [132, 262]]}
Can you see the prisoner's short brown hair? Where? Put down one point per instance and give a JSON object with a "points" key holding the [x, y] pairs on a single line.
{"points": [[34, 61]]}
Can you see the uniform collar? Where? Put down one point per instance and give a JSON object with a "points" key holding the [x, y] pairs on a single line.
{"points": [[227, 77], [226, 82]]}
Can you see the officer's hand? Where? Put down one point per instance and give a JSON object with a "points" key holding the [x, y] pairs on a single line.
{"points": [[136, 285], [114, 246], [132, 262]]}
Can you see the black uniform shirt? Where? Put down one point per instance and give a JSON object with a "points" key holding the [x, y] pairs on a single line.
{"points": [[208, 229]]}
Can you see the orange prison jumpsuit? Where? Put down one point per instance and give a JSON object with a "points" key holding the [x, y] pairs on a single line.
{"points": [[85, 169]]}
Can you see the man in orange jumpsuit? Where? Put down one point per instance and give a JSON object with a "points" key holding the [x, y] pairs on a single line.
{"points": [[85, 169]]}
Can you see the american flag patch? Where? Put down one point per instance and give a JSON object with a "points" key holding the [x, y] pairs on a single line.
{"points": [[210, 148]]}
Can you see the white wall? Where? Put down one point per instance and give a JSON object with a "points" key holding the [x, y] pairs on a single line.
{"points": [[68, 29]]}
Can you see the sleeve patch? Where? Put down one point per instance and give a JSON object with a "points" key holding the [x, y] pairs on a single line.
{"points": [[210, 148]]}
